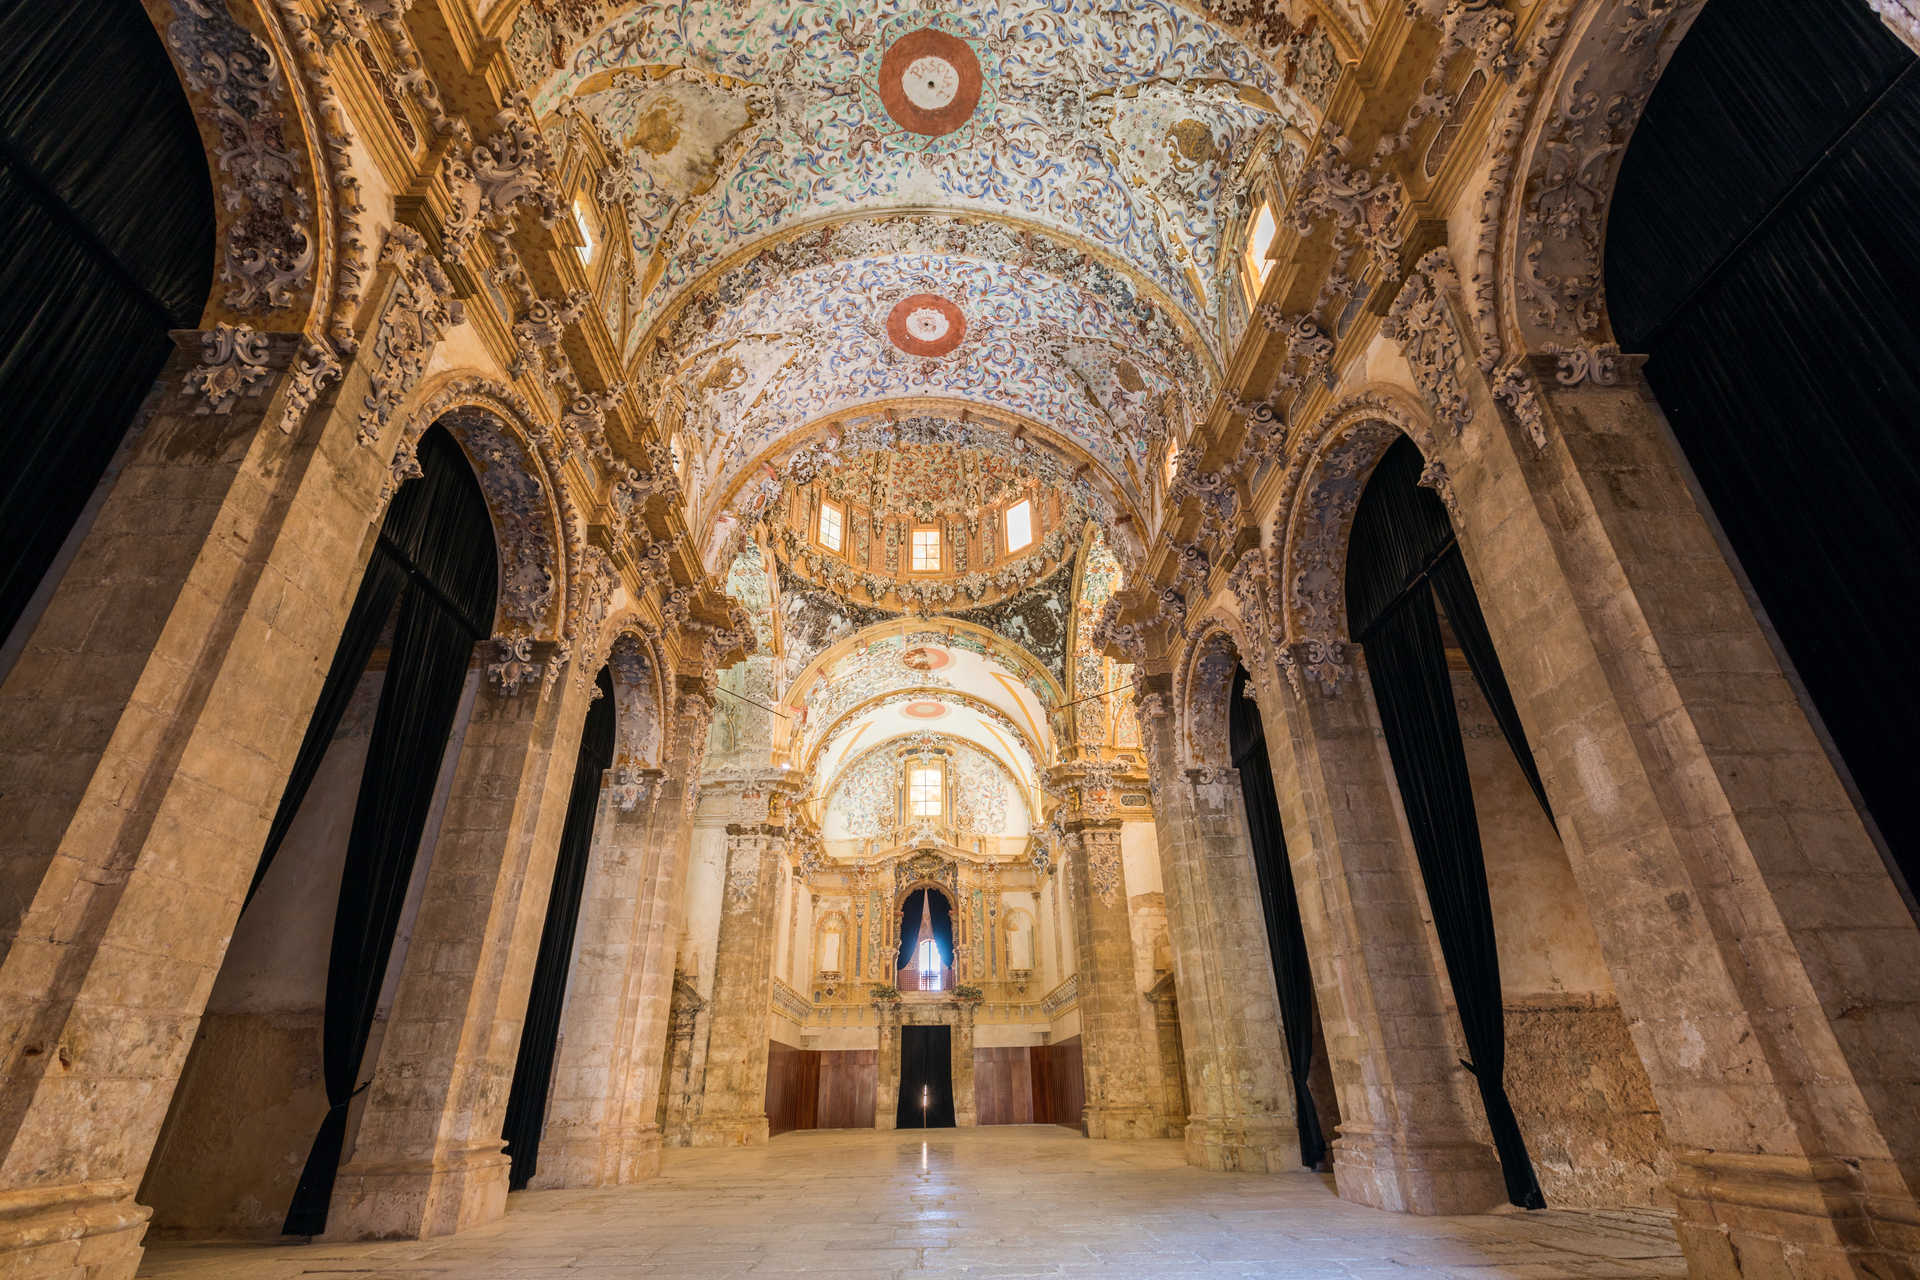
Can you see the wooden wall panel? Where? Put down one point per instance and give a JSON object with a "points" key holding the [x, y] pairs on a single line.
{"points": [[1059, 1084], [792, 1087], [846, 1088], [1003, 1085]]}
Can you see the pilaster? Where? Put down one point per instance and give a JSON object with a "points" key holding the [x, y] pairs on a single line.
{"points": [[1119, 1059], [149, 723], [965, 1106], [1761, 952], [732, 1108], [1238, 1091], [581, 1141], [428, 1159], [1408, 1141]]}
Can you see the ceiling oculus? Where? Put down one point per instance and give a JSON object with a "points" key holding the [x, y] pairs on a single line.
{"points": [[926, 324], [930, 82]]}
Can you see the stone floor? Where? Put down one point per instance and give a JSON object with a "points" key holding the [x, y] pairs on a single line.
{"points": [[998, 1202]]}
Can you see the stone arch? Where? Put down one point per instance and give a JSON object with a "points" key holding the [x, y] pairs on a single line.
{"points": [[640, 684], [290, 257], [1203, 683], [1319, 495], [1537, 284], [545, 583]]}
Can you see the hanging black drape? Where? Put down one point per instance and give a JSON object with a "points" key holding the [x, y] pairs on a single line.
{"points": [[1761, 251], [437, 538], [926, 1063], [106, 243], [540, 1030], [1286, 942], [939, 919], [1390, 608], [446, 606]]}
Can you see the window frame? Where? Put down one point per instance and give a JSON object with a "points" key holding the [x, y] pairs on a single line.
{"points": [[839, 543], [583, 223], [914, 770], [1254, 269], [1006, 525], [913, 548]]}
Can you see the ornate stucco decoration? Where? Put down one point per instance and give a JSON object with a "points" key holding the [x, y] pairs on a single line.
{"points": [[269, 250], [420, 308], [1421, 321]]}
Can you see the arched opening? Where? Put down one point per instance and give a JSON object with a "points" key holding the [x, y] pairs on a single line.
{"points": [[1760, 252], [109, 221], [264, 1110], [1539, 1022], [1316, 1111], [925, 959], [540, 1029]]}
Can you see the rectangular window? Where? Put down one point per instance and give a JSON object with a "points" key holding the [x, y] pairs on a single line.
{"points": [[1020, 525], [926, 550], [1261, 229], [923, 791], [582, 220], [830, 526]]}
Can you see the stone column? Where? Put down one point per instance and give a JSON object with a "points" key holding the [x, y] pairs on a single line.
{"points": [[1238, 1089], [1763, 958], [649, 1004], [146, 731], [886, 1083], [581, 1141], [1408, 1138], [1118, 1057], [965, 1111], [428, 1159], [733, 1102]]}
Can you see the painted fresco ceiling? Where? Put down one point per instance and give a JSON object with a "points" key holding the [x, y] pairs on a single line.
{"points": [[1017, 204], [894, 664]]}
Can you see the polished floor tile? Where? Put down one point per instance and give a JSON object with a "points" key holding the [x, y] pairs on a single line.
{"points": [[999, 1202]]}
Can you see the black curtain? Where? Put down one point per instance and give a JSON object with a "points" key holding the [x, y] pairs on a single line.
{"points": [[939, 918], [1390, 607], [540, 1030], [1286, 942], [106, 215], [926, 1064], [446, 606], [1761, 252], [430, 541]]}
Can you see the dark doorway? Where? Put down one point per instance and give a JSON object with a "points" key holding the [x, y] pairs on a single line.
{"points": [[926, 1074]]}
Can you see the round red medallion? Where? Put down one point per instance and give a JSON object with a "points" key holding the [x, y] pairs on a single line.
{"points": [[926, 324], [924, 710], [926, 658], [929, 82]]}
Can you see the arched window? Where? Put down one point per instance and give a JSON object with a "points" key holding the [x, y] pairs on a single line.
{"points": [[929, 965]]}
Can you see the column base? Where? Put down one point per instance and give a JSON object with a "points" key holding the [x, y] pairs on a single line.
{"points": [[1744, 1216], [730, 1131], [91, 1231], [1242, 1144], [417, 1201], [1404, 1173], [1123, 1123], [640, 1155]]}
